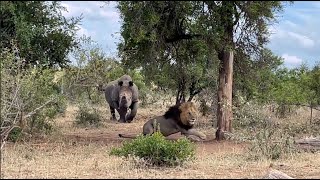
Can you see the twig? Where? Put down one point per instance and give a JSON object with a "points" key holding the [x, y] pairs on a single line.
{"points": [[34, 111], [6, 132], [4, 136], [85, 85]]}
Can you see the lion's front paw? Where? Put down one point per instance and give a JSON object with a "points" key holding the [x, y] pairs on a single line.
{"points": [[203, 136], [193, 138]]}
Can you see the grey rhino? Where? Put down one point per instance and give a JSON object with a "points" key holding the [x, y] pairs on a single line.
{"points": [[122, 94]]}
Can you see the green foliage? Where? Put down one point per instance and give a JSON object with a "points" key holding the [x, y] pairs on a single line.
{"points": [[139, 80], [156, 150], [88, 116], [15, 134], [92, 68], [298, 86], [271, 83], [177, 43], [262, 72], [43, 35], [30, 94], [39, 88], [147, 43], [311, 80]]}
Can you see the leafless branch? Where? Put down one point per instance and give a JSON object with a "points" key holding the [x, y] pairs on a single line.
{"points": [[37, 109]]}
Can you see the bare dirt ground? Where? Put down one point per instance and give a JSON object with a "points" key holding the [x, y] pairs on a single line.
{"points": [[76, 152]]}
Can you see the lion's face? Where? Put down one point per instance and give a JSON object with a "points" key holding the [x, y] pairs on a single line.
{"points": [[189, 113]]}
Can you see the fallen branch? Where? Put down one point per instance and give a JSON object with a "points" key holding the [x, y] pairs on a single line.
{"points": [[314, 141], [309, 143]]}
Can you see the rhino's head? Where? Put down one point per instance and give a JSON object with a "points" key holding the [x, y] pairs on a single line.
{"points": [[125, 93]]}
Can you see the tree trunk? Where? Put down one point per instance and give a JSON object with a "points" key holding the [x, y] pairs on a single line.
{"points": [[88, 92], [181, 92], [193, 90], [311, 114], [224, 110], [192, 94], [191, 97], [180, 97]]}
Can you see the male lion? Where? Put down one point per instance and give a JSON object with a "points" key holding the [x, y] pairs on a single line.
{"points": [[179, 118]]}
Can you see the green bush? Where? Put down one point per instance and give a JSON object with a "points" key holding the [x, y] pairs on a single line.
{"points": [[156, 150], [15, 134], [88, 116], [29, 91]]}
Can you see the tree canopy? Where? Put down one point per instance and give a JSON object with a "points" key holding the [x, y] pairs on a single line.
{"points": [[42, 34]]}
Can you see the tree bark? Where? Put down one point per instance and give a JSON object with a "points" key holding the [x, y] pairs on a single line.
{"points": [[181, 92], [193, 90], [224, 110], [311, 114]]}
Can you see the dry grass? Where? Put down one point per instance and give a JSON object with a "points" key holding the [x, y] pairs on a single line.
{"points": [[76, 152]]}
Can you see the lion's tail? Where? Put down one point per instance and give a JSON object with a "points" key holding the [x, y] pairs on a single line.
{"points": [[126, 136]]}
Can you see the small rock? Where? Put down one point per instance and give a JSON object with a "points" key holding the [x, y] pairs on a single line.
{"points": [[275, 174]]}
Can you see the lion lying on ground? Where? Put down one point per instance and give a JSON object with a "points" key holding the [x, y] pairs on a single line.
{"points": [[179, 118]]}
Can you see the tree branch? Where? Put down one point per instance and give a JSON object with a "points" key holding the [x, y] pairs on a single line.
{"points": [[37, 109], [181, 37], [305, 106]]}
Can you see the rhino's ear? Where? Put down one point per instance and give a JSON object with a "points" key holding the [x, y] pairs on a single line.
{"points": [[120, 83], [130, 83]]}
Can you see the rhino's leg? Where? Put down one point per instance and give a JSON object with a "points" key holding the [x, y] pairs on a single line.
{"points": [[122, 112], [134, 109], [113, 114]]}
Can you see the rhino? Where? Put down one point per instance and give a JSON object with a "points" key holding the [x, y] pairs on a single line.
{"points": [[122, 94]]}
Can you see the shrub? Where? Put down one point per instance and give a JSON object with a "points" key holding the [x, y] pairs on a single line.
{"points": [[301, 129], [204, 108], [271, 144], [156, 150], [267, 138], [88, 116], [30, 95], [15, 134], [250, 117]]}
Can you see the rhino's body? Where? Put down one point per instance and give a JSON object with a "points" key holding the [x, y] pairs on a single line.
{"points": [[122, 94]]}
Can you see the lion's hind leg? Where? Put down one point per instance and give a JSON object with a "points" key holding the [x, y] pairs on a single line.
{"points": [[148, 128]]}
